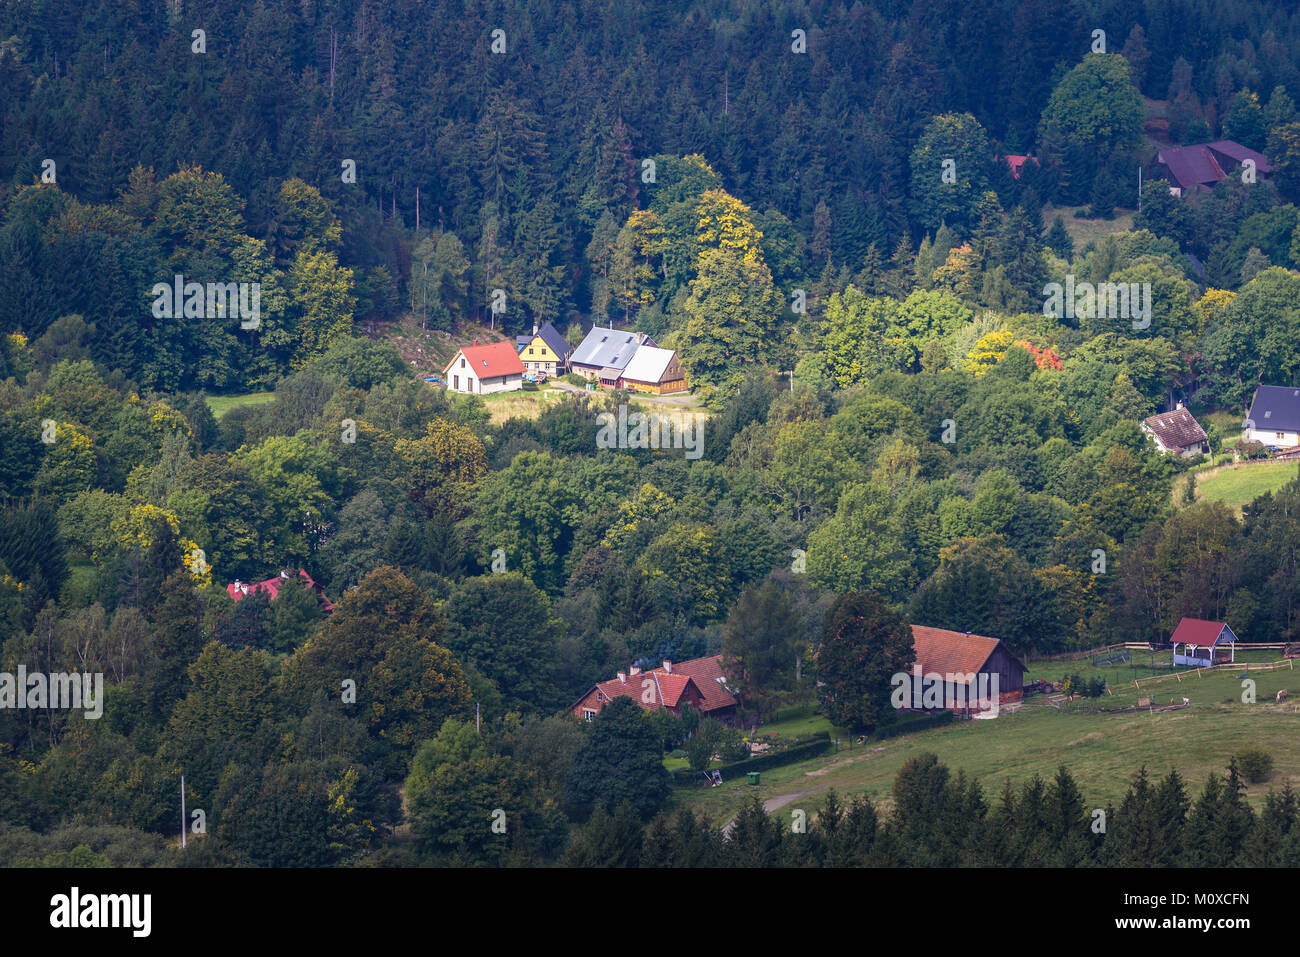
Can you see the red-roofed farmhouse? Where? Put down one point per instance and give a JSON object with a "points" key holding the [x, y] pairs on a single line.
{"points": [[482, 370], [697, 684]]}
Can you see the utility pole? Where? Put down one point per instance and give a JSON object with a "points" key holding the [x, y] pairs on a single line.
{"points": [[1139, 187], [184, 825], [478, 720]]}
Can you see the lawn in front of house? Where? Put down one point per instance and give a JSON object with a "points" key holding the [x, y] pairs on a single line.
{"points": [[1243, 482]]}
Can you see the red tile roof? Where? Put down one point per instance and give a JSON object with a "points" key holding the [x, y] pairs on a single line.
{"points": [[492, 360], [1016, 161], [705, 672], [1198, 631], [272, 586], [668, 689], [1177, 429], [671, 683], [939, 651]]}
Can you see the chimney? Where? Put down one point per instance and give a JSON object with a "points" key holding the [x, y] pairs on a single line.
{"points": [[1178, 406], [534, 328], [668, 666], [622, 678], [634, 670], [475, 342]]}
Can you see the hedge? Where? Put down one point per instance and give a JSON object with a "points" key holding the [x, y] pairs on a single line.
{"points": [[908, 725], [809, 747]]}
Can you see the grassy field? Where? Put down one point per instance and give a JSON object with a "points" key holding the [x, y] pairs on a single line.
{"points": [[527, 404], [1241, 483], [1084, 231], [1141, 664], [1102, 750], [221, 404], [530, 403]]}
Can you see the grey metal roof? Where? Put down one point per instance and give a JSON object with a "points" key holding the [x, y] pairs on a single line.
{"points": [[608, 348]]}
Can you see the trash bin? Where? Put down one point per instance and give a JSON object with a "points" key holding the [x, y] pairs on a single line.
{"points": [[753, 776]]}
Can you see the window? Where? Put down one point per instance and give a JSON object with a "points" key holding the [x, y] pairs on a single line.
{"points": [[588, 714], [455, 382], [531, 350], [462, 362]]}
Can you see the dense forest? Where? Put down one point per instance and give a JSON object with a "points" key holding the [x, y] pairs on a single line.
{"points": [[761, 187]]}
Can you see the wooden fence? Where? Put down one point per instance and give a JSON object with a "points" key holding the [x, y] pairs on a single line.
{"points": [[1230, 665], [1144, 646]]}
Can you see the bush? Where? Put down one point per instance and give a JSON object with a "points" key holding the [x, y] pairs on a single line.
{"points": [[1086, 687], [1254, 763]]}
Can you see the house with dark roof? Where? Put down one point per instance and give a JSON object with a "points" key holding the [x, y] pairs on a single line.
{"points": [[971, 670], [1200, 643], [545, 350], [1274, 417], [1177, 431], [271, 588], [482, 370], [698, 684], [1197, 168], [605, 352]]}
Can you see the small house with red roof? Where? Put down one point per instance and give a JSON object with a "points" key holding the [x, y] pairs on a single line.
{"points": [[1200, 643], [970, 670], [1016, 163], [271, 587], [482, 370], [698, 684]]}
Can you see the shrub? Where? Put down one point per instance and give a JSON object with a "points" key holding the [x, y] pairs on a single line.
{"points": [[1254, 763]]}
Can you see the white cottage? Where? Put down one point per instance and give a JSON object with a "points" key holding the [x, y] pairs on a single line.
{"points": [[482, 370]]}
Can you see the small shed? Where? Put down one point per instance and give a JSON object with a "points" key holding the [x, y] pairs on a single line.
{"points": [[1200, 643]]}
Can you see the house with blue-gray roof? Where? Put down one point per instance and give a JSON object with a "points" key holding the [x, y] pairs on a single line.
{"points": [[605, 352]]}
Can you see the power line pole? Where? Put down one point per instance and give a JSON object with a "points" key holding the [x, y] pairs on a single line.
{"points": [[184, 828]]}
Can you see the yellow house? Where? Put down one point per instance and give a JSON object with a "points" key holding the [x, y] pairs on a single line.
{"points": [[544, 351]]}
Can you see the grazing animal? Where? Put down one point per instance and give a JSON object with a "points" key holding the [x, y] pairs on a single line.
{"points": [[1281, 696], [1186, 702]]}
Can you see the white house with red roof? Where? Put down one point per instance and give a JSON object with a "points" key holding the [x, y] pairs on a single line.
{"points": [[482, 370], [698, 684]]}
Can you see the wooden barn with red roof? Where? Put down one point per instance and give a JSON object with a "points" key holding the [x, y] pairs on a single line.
{"points": [[967, 665], [698, 684]]}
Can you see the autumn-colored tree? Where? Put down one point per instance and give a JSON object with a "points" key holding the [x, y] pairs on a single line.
{"points": [[379, 655]]}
